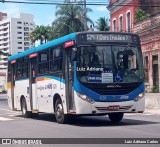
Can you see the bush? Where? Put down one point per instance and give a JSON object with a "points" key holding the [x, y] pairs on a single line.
{"points": [[155, 89]]}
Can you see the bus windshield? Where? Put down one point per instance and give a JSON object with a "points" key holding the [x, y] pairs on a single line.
{"points": [[109, 64]]}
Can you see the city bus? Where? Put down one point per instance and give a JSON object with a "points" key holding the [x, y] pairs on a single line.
{"points": [[83, 73]]}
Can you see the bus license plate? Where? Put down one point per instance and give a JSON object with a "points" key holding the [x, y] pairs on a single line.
{"points": [[116, 107]]}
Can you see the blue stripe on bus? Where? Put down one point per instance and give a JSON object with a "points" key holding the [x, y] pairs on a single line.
{"points": [[44, 46], [78, 87]]}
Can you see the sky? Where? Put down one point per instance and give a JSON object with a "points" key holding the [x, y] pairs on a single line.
{"points": [[45, 14]]}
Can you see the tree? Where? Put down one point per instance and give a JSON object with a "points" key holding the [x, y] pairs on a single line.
{"points": [[70, 18], [40, 33], [140, 15], [102, 24]]}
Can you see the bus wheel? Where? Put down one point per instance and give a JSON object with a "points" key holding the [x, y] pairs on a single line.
{"points": [[59, 112], [115, 117], [25, 113]]}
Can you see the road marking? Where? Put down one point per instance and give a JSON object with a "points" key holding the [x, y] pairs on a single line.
{"points": [[5, 119]]}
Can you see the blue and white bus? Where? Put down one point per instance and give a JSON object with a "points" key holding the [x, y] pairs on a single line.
{"points": [[84, 73]]}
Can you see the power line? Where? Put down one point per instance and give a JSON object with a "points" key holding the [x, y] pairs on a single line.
{"points": [[52, 3], [58, 2]]}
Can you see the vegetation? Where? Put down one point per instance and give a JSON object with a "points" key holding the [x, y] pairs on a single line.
{"points": [[155, 89], [102, 24], [4, 54], [41, 33], [140, 15], [69, 19]]}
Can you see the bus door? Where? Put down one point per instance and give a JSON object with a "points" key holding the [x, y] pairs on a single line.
{"points": [[32, 81], [13, 75], [69, 80]]}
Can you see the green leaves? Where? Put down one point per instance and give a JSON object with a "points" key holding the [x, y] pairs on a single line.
{"points": [[140, 15], [70, 18], [102, 24], [41, 33]]}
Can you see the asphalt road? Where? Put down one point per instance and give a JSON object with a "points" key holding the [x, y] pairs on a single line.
{"points": [[13, 125]]}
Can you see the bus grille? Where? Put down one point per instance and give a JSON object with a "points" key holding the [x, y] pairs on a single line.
{"points": [[102, 89]]}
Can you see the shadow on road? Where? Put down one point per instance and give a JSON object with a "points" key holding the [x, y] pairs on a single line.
{"points": [[93, 121]]}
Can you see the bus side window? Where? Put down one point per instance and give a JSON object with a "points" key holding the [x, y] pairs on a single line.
{"points": [[56, 57], [43, 65]]}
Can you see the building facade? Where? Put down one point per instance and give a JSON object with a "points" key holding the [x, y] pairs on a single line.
{"points": [[149, 32], [122, 14], [14, 36]]}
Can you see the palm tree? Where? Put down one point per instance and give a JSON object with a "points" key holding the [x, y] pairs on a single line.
{"points": [[102, 24], [40, 33], [70, 18]]}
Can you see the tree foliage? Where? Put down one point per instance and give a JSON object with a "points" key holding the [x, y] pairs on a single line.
{"points": [[140, 15], [102, 24], [69, 18], [41, 33]]}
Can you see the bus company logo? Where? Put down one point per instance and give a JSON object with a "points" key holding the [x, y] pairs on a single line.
{"points": [[113, 86]]}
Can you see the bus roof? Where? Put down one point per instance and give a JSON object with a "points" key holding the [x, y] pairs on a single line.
{"points": [[44, 46]]}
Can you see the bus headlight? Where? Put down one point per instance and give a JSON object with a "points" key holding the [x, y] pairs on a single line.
{"points": [[139, 97], [85, 97]]}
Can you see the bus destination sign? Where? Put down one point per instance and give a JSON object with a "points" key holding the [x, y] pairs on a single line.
{"points": [[106, 37]]}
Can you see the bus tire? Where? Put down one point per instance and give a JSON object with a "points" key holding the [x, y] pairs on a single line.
{"points": [[24, 110], [116, 117], [61, 118]]}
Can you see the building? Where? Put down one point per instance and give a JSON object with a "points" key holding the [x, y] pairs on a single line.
{"points": [[14, 36], [149, 32], [3, 82], [3, 16], [122, 14]]}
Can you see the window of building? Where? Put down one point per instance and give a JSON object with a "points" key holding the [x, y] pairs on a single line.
{"points": [[19, 32], [114, 25], [19, 22], [19, 47], [19, 42], [19, 37], [121, 24], [19, 27], [128, 22]]}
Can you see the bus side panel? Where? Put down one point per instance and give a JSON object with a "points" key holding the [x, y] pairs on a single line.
{"points": [[34, 96], [21, 89], [46, 90]]}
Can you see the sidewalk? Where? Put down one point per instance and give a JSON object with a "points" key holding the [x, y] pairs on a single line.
{"points": [[152, 103]]}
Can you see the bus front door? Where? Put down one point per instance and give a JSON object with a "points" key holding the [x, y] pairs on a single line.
{"points": [[32, 81], [69, 81]]}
